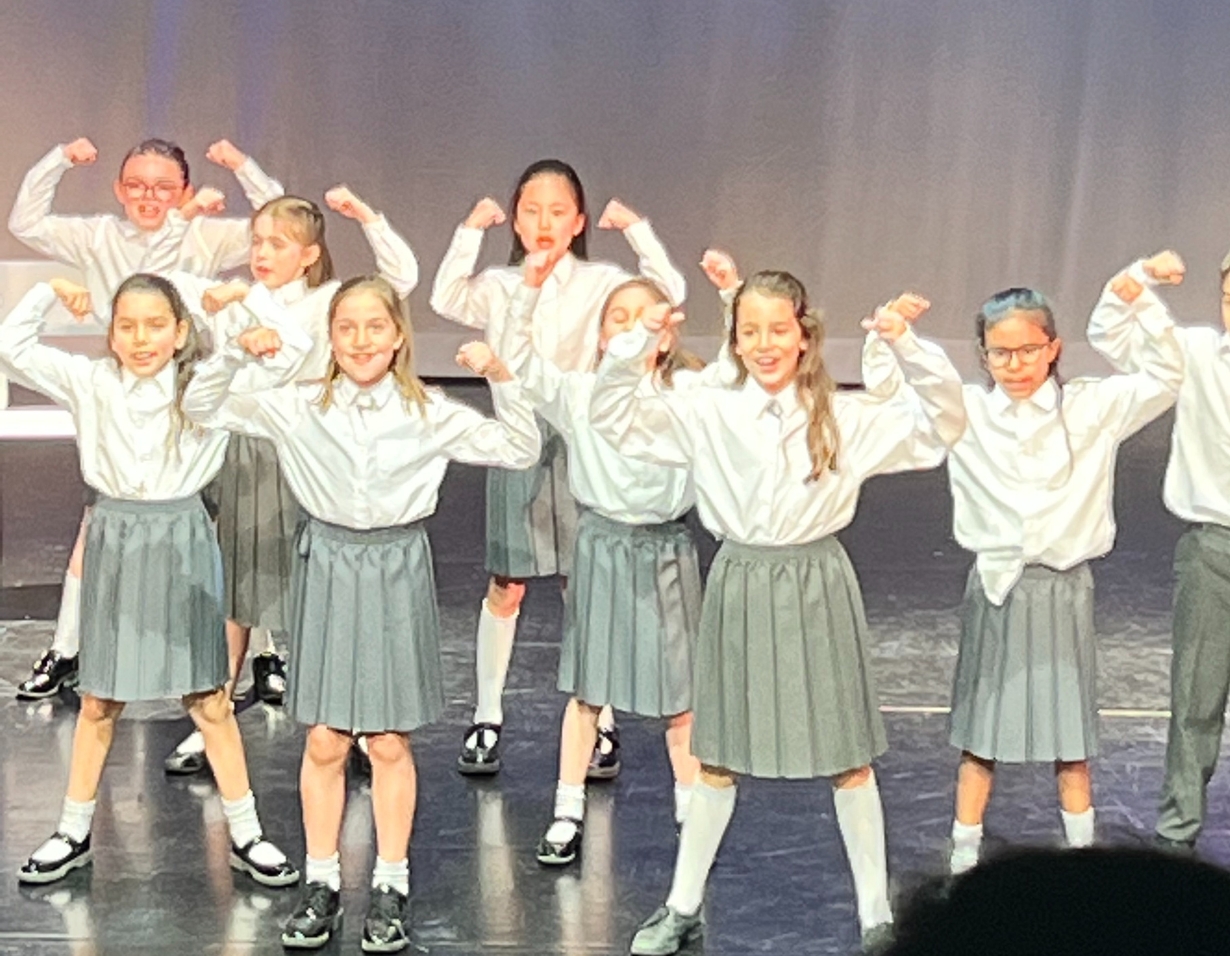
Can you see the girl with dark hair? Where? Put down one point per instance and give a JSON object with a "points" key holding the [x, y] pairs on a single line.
{"points": [[257, 513], [1032, 480], [162, 231], [782, 679], [531, 517], [153, 623], [364, 450]]}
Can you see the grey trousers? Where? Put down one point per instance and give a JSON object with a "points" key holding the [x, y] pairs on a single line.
{"points": [[1199, 678]]}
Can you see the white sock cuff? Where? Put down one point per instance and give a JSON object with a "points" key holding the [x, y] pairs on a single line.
{"points": [[966, 832], [719, 795], [248, 800], [496, 617]]}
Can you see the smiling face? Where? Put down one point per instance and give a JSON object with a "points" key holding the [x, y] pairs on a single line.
{"points": [[149, 187], [547, 217], [769, 339], [145, 334], [278, 255], [364, 336], [1019, 352]]}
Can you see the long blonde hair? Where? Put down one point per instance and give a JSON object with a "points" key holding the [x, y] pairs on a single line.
{"points": [[815, 385], [668, 362], [402, 366], [307, 225]]}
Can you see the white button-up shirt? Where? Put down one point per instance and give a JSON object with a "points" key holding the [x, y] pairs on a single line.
{"points": [[1032, 480], [567, 317], [108, 249], [747, 449], [372, 459]]}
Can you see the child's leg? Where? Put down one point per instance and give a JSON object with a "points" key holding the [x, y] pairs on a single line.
{"points": [[194, 744], [497, 628], [237, 638], [394, 797], [684, 765], [713, 803], [1075, 801], [57, 667], [576, 743], [860, 817], [214, 715], [322, 786], [975, 780]]}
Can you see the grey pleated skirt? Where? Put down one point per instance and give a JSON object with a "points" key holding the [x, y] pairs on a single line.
{"points": [[257, 518], [531, 514], [632, 617], [783, 684], [365, 631], [151, 601], [1025, 687]]}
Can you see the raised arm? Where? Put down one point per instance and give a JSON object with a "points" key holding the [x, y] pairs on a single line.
{"points": [[60, 376], [65, 238], [652, 260], [225, 242], [1113, 330], [510, 440], [456, 293], [257, 185], [394, 258]]}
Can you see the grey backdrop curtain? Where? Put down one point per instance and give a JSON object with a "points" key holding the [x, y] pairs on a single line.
{"points": [[952, 146]]}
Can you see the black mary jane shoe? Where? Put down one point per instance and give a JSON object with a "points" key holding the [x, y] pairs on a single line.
{"points": [[269, 678], [182, 763], [51, 672], [279, 874], [550, 853], [79, 854], [604, 764], [316, 917], [385, 927], [479, 758]]}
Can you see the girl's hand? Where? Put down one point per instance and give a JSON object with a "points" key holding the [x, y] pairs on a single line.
{"points": [[76, 298], [1126, 288], [485, 214], [617, 216], [1165, 267], [224, 153], [220, 296], [886, 323], [909, 305], [207, 201], [538, 266], [342, 200], [260, 341], [661, 316], [80, 152], [478, 357], [720, 269]]}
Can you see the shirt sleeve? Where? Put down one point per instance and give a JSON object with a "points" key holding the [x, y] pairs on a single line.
{"points": [[257, 184], [59, 375], [395, 259], [510, 440], [456, 293], [65, 238], [653, 261], [550, 389], [651, 425]]}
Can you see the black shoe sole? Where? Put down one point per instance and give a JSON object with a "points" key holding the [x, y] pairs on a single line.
{"points": [[180, 770], [53, 876], [313, 942], [555, 861], [67, 684], [604, 773], [240, 865], [488, 769], [370, 947]]}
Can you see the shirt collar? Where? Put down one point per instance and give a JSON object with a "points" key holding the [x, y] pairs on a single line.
{"points": [[163, 382], [131, 233], [1223, 343], [290, 293], [1045, 398], [563, 269], [786, 402], [370, 399]]}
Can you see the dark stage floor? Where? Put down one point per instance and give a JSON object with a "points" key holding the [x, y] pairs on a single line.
{"points": [[160, 882]]}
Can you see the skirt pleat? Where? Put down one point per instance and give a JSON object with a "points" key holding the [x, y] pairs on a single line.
{"points": [[633, 613], [783, 684], [1026, 680], [151, 601], [365, 636]]}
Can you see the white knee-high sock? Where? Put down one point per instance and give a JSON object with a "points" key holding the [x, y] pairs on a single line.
{"points": [[860, 817], [492, 654], [67, 640], [966, 845], [606, 718], [706, 823], [1078, 827]]}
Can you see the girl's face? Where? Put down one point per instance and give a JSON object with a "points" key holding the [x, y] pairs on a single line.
{"points": [[364, 337], [277, 257], [149, 187], [625, 307], [1019, 354], [145, 334], [547, 217], [769, 339], [1225, 303]]}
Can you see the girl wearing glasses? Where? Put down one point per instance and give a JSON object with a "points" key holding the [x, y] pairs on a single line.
{"points": [[1031, 482]]}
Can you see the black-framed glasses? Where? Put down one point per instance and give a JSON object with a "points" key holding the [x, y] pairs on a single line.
{"points": [[1028, 354]]}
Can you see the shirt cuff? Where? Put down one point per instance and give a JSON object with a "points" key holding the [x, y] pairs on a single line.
{"points": [[908, 345], [467, 240], [1137, 271], [377, 226]]}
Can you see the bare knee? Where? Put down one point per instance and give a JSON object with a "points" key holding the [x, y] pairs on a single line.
{"points": [[326, 747], [504, 595], [852, 778], [388, 749], [213, 707], [717, 777], [97, 710], [675, 721]]}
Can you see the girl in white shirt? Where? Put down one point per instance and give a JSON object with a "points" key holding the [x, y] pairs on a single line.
{"points": [[633, 602], [531, 517], [1032, 480], [364, 453], [257, 513], [782, 681], [167, 226], [151, 593]]}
